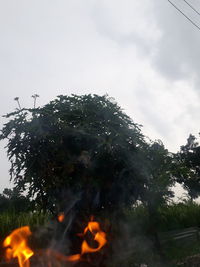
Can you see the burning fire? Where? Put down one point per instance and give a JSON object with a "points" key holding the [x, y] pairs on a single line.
{"points": [[16, 244], [99, 237], [17, 247]]}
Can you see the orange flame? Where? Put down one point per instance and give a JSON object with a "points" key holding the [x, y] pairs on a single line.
{"points": [[61, 217], [17, 247], [99, 237]]}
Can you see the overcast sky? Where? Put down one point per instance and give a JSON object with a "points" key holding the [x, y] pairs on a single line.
{"points": [[143, 53]]}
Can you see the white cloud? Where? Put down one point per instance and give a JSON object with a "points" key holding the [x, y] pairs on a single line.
{"points": [[142, 53]]}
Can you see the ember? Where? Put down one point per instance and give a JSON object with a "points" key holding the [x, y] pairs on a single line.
{"points": [[61, 217]]}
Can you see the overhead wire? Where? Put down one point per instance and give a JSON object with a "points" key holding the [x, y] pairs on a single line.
{"points": [[190, 20], [192, 7]]}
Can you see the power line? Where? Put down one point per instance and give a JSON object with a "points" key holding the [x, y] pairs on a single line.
{"points": [[198, 27], [191, 7]]}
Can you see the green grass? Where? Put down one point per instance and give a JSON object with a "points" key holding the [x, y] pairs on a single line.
{"points": [[11, 220], [175, 216], [179, 216], [169, 217]]}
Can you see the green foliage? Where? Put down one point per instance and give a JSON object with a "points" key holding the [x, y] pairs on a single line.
{"points": [[160, 175], [188, 172], [180, 215], [13, 201], [83, 143], [173, 216]]}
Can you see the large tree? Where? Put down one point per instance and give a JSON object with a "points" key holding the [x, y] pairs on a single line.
{"points": [[83, 143]]}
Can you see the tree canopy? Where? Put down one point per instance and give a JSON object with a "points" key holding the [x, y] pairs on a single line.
{"points": [[83, 143]]}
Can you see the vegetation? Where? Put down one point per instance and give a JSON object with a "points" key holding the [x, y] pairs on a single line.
{"points": [[189, 167], [13, 220], [82, 143], [173, 216], [86, 152], [11, 200], [16, 210]]}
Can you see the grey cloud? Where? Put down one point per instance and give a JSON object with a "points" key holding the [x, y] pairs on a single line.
{"points": [[178, 53], [156, 30]]}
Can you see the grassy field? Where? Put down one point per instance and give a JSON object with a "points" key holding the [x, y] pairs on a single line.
{"points": [[11, 220]]}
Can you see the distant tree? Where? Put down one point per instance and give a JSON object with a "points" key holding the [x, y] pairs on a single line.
{"points": [[160, 177], [189, 167], [11, 200], [83, 143]]}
